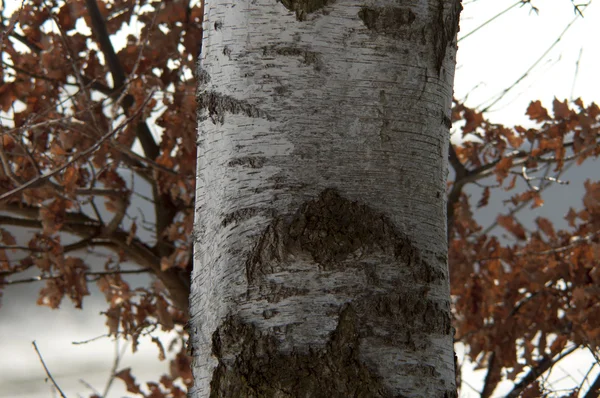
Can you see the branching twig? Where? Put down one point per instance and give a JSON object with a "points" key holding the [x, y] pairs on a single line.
{"points": [[490, 20], [34, 182], [528, 71]]}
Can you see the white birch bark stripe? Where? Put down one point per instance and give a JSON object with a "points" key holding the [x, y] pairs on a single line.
{"points": [[294, 108]]}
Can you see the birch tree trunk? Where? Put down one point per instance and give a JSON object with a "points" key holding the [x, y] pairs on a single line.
{"points": [[321, 260]]}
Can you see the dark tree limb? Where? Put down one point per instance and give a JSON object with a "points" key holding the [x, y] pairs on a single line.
{"points": [[176, 280], [143, 133], [536, 371], [594, 390], [165, 210], [492, 378], [101, 33]]}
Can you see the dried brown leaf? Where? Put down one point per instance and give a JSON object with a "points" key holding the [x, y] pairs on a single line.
{"points": [[129, 380], [537, 112]]}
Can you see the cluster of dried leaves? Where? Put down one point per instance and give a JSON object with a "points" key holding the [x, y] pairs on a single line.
{"points": [[89, 130], [524, 302]]}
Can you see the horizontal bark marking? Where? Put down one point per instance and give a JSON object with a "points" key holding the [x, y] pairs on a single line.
{"points": [[218, 104], [275, 293], [412, 311], [331, 228], [250, 364], [307, 57], [242, 215], [390, 21]]}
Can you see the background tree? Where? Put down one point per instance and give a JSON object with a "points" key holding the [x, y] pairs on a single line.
{"points": [[84, 143]]}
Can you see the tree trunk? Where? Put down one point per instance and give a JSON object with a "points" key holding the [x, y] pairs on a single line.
{"points": [[321, 260]]}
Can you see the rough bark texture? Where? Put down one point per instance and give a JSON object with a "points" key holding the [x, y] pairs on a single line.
{"points": [[321, 248]]}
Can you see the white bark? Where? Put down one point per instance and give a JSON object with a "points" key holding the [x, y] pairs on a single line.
{"points": [[320, 264]]}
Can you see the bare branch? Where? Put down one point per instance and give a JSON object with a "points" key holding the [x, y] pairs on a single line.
{"points": [[90, 276], [528, 71], [492, 377], [540, 368], [143, 133], [119, 353], [47, 371], [490, 20], [101, 33], [594, 390]]}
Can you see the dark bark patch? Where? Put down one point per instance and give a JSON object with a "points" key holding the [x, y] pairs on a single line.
{"points": [[253, 162], [413, 311], [251, 365], [275, 293], [304, 7], [444, 29], [390, 21], [202, 76], [240, 215], [218, 104], [419, 370], [331, 229]]}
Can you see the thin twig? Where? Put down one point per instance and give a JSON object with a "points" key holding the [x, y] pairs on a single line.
{"points": [[528, 71], [88, 385], [118, 356], [576, 74], [47, 371], [33, 182], [586, 376], [95, 275], [522, 205], [71, 57], [490, 20]]}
